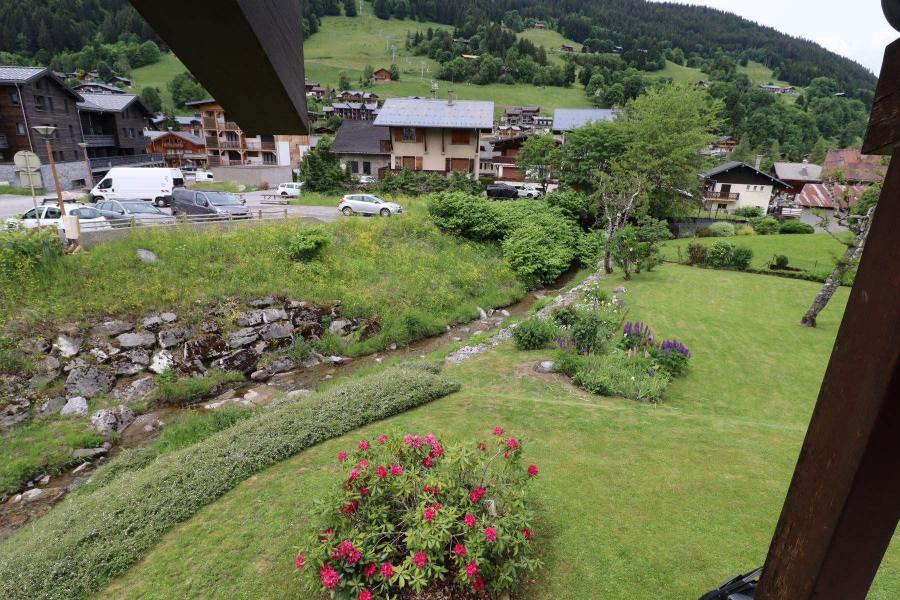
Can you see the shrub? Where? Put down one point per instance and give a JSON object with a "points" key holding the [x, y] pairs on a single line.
{"points": [[172, 390], [567, 362], [749, 212], [722, 229], [409, 512], [741, 257], [764, 225], [696, 254], [744, 230], [794, 226], [564, 316], [589, 248], [720, 255], [636, 336], [470, 216], [591, 329], [308, 243], [621, 374], [672, 357], [780, 261], [533, 334], [578, 207], [79, 547], [541, 250], [703, 232], [25, 250]]}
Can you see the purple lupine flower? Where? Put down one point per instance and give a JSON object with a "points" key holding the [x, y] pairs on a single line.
{"points": [[668, 346]]}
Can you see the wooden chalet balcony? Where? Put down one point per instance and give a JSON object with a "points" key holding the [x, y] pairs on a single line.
{"points": [[100, 140], [210, 123], [212, 142], [230, 126], [713, 195], [268, 146], [230, 145]]}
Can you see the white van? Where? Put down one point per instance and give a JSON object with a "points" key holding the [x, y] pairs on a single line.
{"points": [[129, 183], [203, 176]]}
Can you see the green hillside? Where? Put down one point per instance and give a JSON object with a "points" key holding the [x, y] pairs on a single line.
{"points": [[157, 75]]}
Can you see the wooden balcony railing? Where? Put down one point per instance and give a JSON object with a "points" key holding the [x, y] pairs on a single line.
{"points": [[230, 145], [711, 195], [100, 140]]}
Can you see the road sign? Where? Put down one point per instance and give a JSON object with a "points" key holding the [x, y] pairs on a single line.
{"points": [[27, 161]]}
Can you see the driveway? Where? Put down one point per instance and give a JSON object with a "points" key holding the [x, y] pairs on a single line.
{"points": [[11, 206]]}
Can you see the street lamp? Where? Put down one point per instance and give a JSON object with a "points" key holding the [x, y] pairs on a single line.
{"points": [[89, 178], [46, 132]]}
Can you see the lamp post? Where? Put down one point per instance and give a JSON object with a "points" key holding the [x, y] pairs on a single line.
{"points": [[89, 178], [46, 132]]}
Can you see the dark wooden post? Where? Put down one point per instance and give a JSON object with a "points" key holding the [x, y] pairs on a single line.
{"points": [[843, 504]]}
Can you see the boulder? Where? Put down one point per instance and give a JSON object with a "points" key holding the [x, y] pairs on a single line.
{"points": [[336, 360], [168, 317], [174, 336], [242, 337], [37, 345], [619, 290], [89, 381], [340, 326], [146, 256], [99, 355], [545, 366], [309, 329], [205, 348], [68, 346], [270, 315], [113, 327], [505, 313], [136, 390], [162, 361], [242, 361], [618, 302], [14, 412], [88, 453], [31, 495], [80, 468], [152, 323], [109, 420], [147, 423], [74, 406], [261, 302], [53, 406], [209, 327], [261, 375], [144, 339], [131, 362], [276, 331], [281, 365], [304, 311], [250, 318], [48, 367]]}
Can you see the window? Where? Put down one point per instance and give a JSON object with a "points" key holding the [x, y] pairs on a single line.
{"points": [[131, 132], [29, 215], [408, 134], [20, 128], [367, 168], [354, 167], [460, 137], [124, 132], [50, 103], [14, 98], [66, 104], [722, 206], [71, 132], [39, 103], [52, 213], [105, 184]]}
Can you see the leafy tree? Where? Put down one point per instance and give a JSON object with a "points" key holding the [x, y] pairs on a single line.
{"points": [[513, 20], [321, 170], [867, 199], [366, 78], [395, 73], [184, 87], [819, 152], [539, 159], [104, 71], [619, 195], [742, 152], [350, 8], [149, 53], [343, 81], [589, 149], [151, 99]]}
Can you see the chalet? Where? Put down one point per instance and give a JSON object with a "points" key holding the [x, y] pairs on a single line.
{"points": [[856, 167], [119, 80], [505, 131], [314, 90], [567, 48], [355, 111], [440, 136], [96, 87], [567, 119], [363, 148], [179, 149], [503, 158], [540, 25], [734, 185], [356, 96], [819, 196], [382, 75], [797, 175], [777, 89], [113, 125], [722, 146], [522, 116]]}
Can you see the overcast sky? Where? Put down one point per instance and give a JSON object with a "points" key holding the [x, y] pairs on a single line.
{"points": [[855, 28]]}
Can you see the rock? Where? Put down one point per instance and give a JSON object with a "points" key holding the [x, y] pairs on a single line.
{"points": [[80, 468], [250, 318], [14, 412], [619, 290], [545, 366], [131, 362], [44, 480], [276, 331], [53, 406], [32, 495], [481, 314], [174, 336], [162, 361], [46, 370], [99, 355], [68, 346], [309, 329], [146, 256], [281, 365], [336, 360], [108, 420], [74, 406], [295, 394], [261, 375], [261, 302], [618, 302], [304, 311], [89, 381], [505, 313], [242, 337], [261, 347], [147, 423], [311, 362], [36, 346], [340, 326], [88, 453], [136, 390], [113, 327], [72, 364], [379, 360], [205, 348], [392, 347], [270, 315], [209, 327], [243, 361], [152, 323], [144, 339], [457, 339], [168, 317]]}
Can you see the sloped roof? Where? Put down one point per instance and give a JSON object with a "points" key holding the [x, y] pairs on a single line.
{"points": [[790, 171], [411, 112], [360, 137], [16, 74], [567, 119], [188, 137], [732, 165], [102, 102], [815, 195], [856, 166], [96, 84]]}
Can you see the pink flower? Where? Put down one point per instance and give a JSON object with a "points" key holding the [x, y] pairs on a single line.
{"points": [[380, 472], [396, 470], [412, 440], [419, 559], [329, 577], [476, 494], [362, 465], [437, 450], [498, 431], [431, 490], [354, 474], [349, 553], [364, 595], [527, 533], [430, 439], [363, 491], [478, 584], [428, 515], [471, 569], [427, 462], [370, 569], [387, 570], [363, 445], [300, 561], [342, 456], [512, 443], [382, 439], [469, 520], [490, 534], [532, 470], [482, 446], [349, 509], [506, 454], [459, 550]]}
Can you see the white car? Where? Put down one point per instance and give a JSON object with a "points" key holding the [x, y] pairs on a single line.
{"points": [[48, 215], [368, 204], [529, 191], [289, 189], [366, 180]]}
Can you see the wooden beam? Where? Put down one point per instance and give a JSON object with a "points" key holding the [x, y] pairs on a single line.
{"points": [[884, 124], [843, 503], [247, 53]]}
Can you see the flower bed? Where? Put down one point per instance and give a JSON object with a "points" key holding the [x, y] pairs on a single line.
{"points": [[412, 513]]}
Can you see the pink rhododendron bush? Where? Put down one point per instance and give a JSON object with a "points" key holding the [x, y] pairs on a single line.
{"points": [[412, 514]]}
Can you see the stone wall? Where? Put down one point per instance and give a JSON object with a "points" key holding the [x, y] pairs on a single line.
{"points": [[71, 175]]}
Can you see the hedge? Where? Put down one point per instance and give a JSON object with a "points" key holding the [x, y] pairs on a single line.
{"points": [[88, 540]]}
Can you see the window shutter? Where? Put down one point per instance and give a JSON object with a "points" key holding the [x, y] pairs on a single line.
{"points": [[398, 135], [418, 163], [447, 165], [471, 165], [420, 135]]}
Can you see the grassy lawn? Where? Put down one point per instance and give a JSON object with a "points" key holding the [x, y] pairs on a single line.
{"points": [[551, 40], [814, 252], [158, 75], [633, 498], [20, 191], [317, 199]]}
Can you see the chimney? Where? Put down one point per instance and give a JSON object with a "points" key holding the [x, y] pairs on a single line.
{"points": [[759, 159], [450, 98]]}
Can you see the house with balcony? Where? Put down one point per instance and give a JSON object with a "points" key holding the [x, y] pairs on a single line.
{"points": [[362, 148], [439, 136], [568, 119], [734, 185], [178, 148], [113, 127]]}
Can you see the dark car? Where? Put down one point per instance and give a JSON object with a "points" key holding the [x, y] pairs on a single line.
{"points": [[501, 190], [214, 204], [124, 213]]}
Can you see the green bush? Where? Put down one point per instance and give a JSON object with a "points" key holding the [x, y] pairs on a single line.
{"points": [[722, 229], [764, 225], [534, 334], [470, 216], [780, 261], [25, 250], [744, 230], [702, 232], [749, 212], [720, 255], [741, 258], [174, 391], [580, 208], [308, 243], [591, 329], [794, 226], [697, 254], [567, 363], [81, 545], [541, 250], [564, 316], [589, 249], [617, 374]]}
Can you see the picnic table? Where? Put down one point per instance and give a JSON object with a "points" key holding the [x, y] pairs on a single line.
{"points": [[274, 199]]}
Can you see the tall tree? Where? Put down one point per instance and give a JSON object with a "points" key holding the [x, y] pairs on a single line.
{"points": [[619, 195], [590, 149], [538, 159], [151, 99]]}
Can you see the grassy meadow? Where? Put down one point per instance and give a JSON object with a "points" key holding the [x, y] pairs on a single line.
{"points": [[158, 75]]}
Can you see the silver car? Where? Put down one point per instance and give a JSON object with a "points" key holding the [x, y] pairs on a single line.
{"points": [[368, 204], [123, 213]]}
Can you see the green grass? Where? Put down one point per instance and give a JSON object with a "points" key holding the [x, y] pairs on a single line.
{"points": [[172, 390], [158, 75], [222, 186], [316, 199], [551, 40], [632, 498], [19, 191]]}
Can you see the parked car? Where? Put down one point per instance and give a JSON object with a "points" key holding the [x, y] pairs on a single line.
{"points": [[48, 215], [289, 189], [123, 213], [368, 204], [529, 191], [224, 204], [502, 190], [132, 183], [366, 180], [203, 176]]}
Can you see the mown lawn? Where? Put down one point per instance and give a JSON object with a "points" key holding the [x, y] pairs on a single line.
{"points": [[158, 75], [634, 499]]}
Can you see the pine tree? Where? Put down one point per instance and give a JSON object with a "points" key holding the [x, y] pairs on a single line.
{"points": [[381, 9], [819, 151]]}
